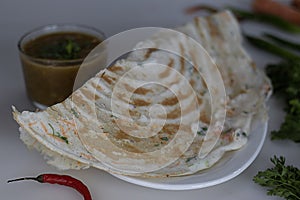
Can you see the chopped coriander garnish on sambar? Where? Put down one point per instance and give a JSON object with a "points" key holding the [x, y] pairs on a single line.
{"points": [[61, 46]]}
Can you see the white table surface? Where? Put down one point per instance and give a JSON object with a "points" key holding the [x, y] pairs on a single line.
{"points": [[111, 17]]}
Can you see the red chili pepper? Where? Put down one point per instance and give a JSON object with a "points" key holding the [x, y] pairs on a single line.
{"points": [[61, 180]]}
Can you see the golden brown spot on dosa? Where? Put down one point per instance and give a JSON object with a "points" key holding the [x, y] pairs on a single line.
{"points": [[128, 87], [194, 59], [121, 97], [167, 71], [213, 29], [134, 114], [142, 91], [121, 139], [130, 148], [75, 131], [230, 112], [86, 156], [97, 88], [97, 97], [176, 113], [140, 102], [62, 130], [242, 91], [149, 52], [170, 101], [203, 83], [87, 93], [79, 100], [170, 128], [253, 65], [120, 135], [228, 136], [102, 74], [199, 30], [192, 83], [44, 127], [204, 118], [110, 80], [69, 122], [175, 80], [199, 100], [171, 63], [115, 68], [182, 61], [125, 125], [182, 96], [32, 123], [196, 21]]}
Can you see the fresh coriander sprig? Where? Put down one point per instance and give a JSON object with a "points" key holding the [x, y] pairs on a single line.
{"points": [[285, 77], [282, 180], [63, 50]]}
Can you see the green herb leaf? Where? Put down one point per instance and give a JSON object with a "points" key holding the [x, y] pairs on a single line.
{"points": [[164, 138], [57, 134], [285, 78], [289, 129], [267, 19], [284, 42], [75, 113], [283, 181], [190, 158], [63, 50], [202, 132], [272, 48], [72, 49]]}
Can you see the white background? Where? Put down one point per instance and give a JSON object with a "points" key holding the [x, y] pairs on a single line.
{"points": [[112, 17]]}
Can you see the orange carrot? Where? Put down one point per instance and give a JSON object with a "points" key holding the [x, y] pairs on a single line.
{"points": [[275, 8]]}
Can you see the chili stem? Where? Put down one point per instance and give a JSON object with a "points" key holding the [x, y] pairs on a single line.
{"points": [[22, 179]]}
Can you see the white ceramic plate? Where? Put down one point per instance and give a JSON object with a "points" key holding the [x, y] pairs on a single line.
{"points": [[231, 165]]}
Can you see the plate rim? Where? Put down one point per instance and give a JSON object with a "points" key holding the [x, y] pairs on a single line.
{"points": [[193, 186]]}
